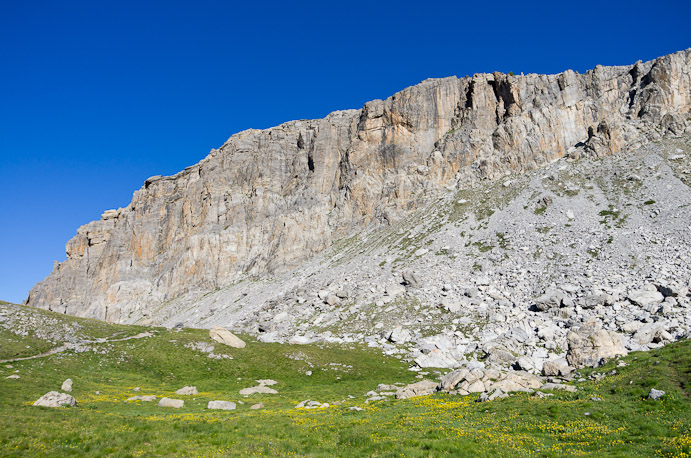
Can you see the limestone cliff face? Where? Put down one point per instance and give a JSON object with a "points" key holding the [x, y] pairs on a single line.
{"points": [[269, 199]]}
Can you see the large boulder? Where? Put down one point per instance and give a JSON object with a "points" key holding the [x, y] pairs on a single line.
{"points": [[423, 388], [646, 296], [452, 379], [556, 367], [222, 335], [591, 346], [552, 298], [514, 381], [436, 358], [168, 402], [652, 332], [56, 399]]}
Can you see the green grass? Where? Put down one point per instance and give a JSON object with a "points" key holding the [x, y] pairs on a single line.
{"points": [[623, 424]]}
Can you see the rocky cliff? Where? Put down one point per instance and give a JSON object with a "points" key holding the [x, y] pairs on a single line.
{"points": [[269, 199]]}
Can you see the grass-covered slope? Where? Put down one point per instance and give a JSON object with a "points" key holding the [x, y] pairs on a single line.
{"points": [[623, 423]]}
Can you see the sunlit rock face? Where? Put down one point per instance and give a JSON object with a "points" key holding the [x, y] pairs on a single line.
{"points": [[267, 200]]}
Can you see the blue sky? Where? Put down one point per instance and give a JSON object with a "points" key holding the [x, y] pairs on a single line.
{"points": [[96, 96]]}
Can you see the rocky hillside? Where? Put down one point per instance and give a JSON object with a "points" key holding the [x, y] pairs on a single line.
{"points": [[204, 245], [519, 273]]}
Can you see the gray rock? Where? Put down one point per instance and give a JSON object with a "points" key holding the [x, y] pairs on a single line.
{"points": [[422, 388], [395, 289], [436, 358], [220, 405], [452, 379], [496, 394], [56, 399], [67, 385], [168, 402], [261, 389], [644, 297], [655, 395], [399, 335], [257, 406], [595, 300], [556, 367], [592, 345], [551, 298], [411, 279], [187, 391], [648, 333]]}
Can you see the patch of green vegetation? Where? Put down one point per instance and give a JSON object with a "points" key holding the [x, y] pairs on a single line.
{"points": [[482, 247], [442, 252], [544, 229], [649, 202], [501, 237], [539, 210]]}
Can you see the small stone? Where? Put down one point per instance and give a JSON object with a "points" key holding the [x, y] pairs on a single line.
{"points": [[257, 406], [67, 385], [655, 395]]}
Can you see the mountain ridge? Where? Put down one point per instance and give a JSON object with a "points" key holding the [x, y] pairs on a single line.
{"points": [[267, 200]]}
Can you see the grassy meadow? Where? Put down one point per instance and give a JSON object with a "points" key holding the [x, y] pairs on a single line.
{"points": [[102, 424]]}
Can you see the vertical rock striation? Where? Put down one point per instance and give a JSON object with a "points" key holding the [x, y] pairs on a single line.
{"points": [[269, 199]]}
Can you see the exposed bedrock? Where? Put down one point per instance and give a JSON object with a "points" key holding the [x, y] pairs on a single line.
{"points": [[269, 199]]}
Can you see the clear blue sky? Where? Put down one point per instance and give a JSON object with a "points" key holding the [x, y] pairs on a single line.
{"points": [[96, 96]]}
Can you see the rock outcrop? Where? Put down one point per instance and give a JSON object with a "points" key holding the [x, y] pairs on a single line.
{"points": [[269, 199]]}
